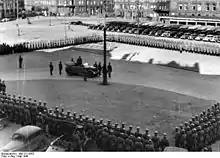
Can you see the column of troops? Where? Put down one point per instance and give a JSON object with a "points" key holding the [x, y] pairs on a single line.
{"points": [[107, 136], [36, 45], [200, 131], [180, 46]]}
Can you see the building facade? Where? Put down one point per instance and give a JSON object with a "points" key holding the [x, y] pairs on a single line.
{"points": [[8, 8], [193, 12], [131, 9], [163, 7], [94, 7], [195, 8]]}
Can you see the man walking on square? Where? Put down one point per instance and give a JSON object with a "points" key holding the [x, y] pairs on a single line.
{"points": [[109, 70]]}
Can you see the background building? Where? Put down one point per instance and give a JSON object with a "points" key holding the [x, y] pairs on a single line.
{"points": [[195, 8], [193, 12], [162, 7], [133, 9], [8, 8], [94, 7]]}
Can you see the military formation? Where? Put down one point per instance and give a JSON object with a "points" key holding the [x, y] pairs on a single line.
{"points": [[164, 43], [200, 131], [107, 136], [140, 40]]}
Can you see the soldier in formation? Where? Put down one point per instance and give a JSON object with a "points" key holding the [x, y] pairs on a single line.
{"points": [[2, 86], [200, 131], [89, 133]]}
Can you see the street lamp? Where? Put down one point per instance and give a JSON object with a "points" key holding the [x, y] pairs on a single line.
{"points": [[17, 20], [49, 7], [105, 79], [65, 34]]}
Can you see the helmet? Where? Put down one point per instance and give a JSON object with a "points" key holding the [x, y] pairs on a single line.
{"points": [[93, 119], [164, 134], [147, 130], [156, 132], [130, 126], [138, 128], [109, 121]]}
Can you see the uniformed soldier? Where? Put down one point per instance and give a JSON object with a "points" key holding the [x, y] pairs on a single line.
{"points": [[177, 137], [137, 133], [149, 147], [51, 68], [164, 142], [129, 144], [194, 140], [156, 141], [20, 61], [109, 68], [183, 142], [60, 67], [138, 145]]}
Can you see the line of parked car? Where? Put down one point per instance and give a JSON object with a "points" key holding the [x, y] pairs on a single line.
{"points": [[198, 33]]}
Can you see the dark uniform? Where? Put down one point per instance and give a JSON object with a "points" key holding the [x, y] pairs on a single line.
{"points": [[51, 68], [156, 141], [60, 67], [109, 70], [20, 61], [164, 142]]}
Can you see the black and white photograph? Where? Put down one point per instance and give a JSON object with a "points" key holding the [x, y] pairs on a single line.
{"points": [[109, 76]]}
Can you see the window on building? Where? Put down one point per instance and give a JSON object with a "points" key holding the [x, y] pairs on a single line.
{"points": [[180, 7], [214, 7], [207, 7], [193, 7]]}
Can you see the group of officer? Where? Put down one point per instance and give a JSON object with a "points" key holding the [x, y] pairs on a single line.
{"points": [[107, 137], [200, 131], [2, 86], [163, 43]]}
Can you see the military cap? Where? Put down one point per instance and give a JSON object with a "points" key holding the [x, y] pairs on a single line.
{"points": [[181, 125], [164, 134], [97, 121], [40, 113], [90, 120], [156, 132], [138, 128], [147, 130], [56, 107], [101, 120]]}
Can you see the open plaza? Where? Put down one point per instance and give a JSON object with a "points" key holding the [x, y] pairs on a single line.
{"points": [[140, 93]]}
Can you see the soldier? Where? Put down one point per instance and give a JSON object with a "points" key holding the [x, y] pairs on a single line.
{"points": [[149, 146], [79, 61], [60, 67], [51, 68], [109, 70], [3, 85], [129, 144], [137, 133], [177, 137], [156, 141], [99, 68], [96, 65], [20, 61], [194, 140], [146, 134], [138, 145], [120, 143], [183, 142], [164, 142], [27, 115]]}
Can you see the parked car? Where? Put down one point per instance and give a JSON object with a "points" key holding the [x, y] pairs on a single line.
{"points": [[120, 29], [5, 20], [152, 33], [165, 34], [139, 31], [215, 38], [146, 32], [26, 139], [185, 36], [132, 30], [193, 36], [127, 29], [159, 33], [207, 38], [172, 33], [200, 37], [178, 34]]}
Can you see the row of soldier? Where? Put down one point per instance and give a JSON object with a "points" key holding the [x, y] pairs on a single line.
{"points": [[199, 48], [56, 122], [200, 131], [2, 86]]}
